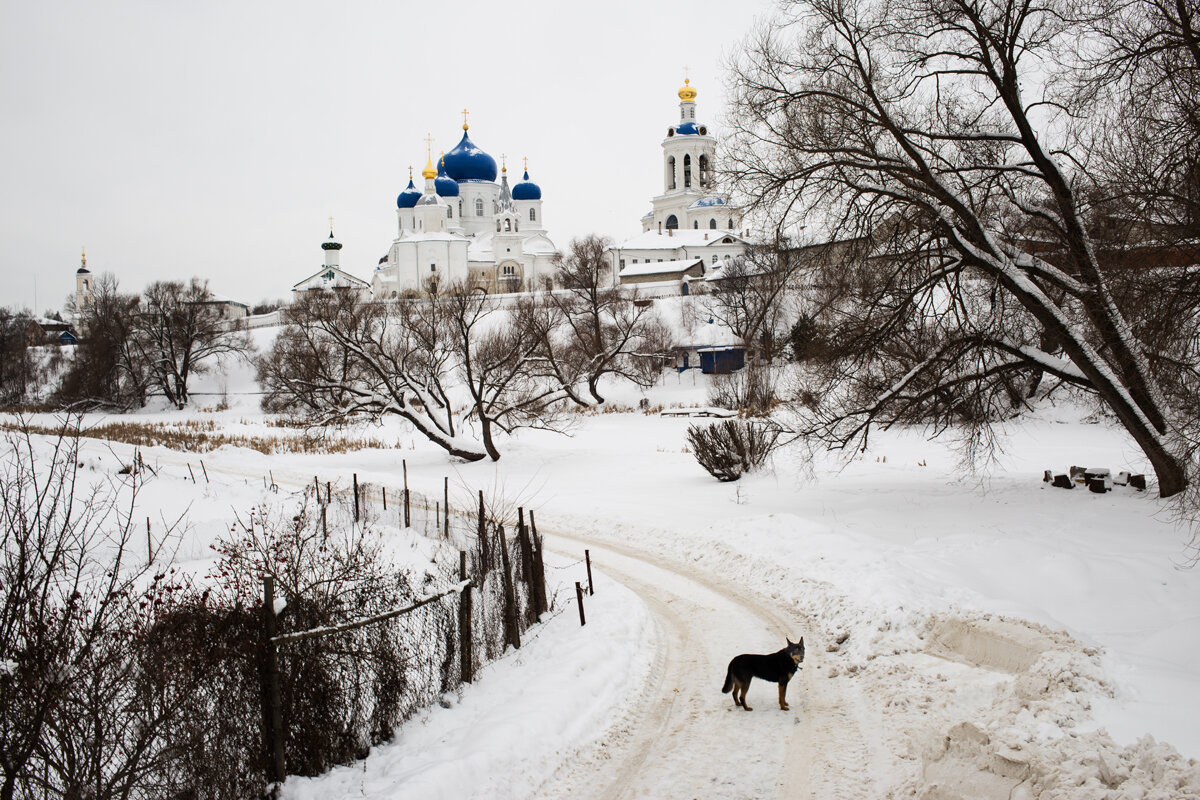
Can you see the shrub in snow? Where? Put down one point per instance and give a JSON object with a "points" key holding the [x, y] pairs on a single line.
{"points": [[731, 447]]}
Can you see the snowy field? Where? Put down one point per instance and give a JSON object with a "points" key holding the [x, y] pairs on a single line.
{"points": [[980, 633]]}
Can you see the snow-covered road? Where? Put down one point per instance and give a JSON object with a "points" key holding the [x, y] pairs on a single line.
{"points": [[682, 738]]}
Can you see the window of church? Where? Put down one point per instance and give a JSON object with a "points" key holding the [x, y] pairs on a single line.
{"points": [[479, 206]]}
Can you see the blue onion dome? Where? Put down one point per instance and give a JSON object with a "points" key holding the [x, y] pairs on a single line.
{"points": [[527, 189], [444, 185], [466, 162], [411, 194]]}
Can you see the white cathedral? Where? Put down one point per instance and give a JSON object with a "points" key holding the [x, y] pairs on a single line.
{"points": [[464, 227]]}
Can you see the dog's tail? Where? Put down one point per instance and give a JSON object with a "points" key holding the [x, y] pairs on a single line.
{"points": [[728, 680]]}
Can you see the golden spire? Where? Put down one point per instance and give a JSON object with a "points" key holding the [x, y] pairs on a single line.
{"points": [[464, 119], [429, 171], [687, 94]]}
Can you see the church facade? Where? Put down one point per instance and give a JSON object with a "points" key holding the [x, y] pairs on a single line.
{"points": [[466, 227]]}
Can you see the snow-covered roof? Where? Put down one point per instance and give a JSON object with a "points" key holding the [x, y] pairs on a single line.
{"points": [[660, 267], [653, 240], [432, 236], [321, 280], [213, 297]]}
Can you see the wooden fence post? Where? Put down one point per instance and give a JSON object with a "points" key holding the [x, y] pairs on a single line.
{"points": [[466, 642], [484, 556], [274, 711], [587, 555], [526, 567], [539, 568], [407, 517], [512, 632], [579, 600], [356, 497]]}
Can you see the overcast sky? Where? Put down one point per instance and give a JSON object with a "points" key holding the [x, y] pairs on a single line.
{"points": [[216, 138]]}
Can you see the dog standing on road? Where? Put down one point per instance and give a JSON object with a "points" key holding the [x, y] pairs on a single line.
{"points": [[778, 667]]}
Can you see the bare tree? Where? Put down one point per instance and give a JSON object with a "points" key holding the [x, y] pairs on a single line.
{"points": [[931, 130], [341, 357], [593, 329], [180, 327], [67, 580], [16, 366], [107, 368]]}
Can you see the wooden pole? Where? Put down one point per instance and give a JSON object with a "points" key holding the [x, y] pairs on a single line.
{"points": [[539, 568], [274, 711], [511, 630], [407, 517], [485, 564], [587, 555], [579, 600], [466, 641], [356, 497], [526, 567]]}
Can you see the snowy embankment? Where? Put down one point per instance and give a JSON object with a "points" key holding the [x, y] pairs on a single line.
{"points": [[993, 623]]}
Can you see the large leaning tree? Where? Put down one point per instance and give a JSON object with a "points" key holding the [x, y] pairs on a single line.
{"points": [[943, 152]]}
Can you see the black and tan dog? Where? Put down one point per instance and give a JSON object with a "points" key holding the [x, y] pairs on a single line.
{"points": [[778, 667]]}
